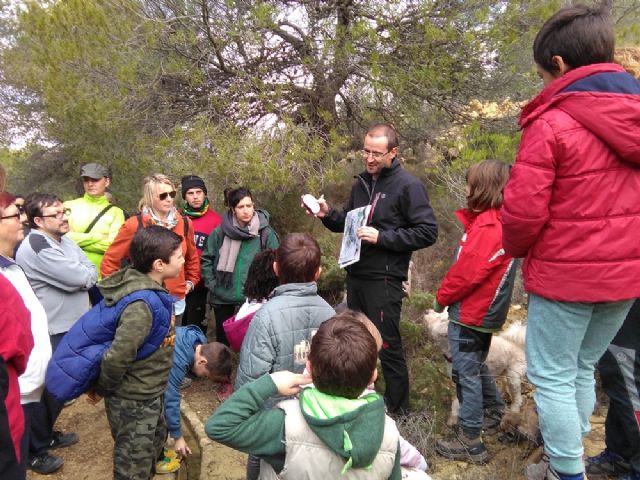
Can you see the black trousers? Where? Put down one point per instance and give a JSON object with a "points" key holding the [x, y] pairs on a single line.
{"points": [[196, 309], [40, 417], [222, 312], [381, 301], [620, 373]]}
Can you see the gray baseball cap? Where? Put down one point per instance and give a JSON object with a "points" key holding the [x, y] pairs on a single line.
{"points": [[93, 170]]}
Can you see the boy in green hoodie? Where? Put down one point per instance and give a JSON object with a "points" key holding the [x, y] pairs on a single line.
{"points": [[330, 430], [132, 386]]}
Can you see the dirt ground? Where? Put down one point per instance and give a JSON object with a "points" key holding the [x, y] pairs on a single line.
{"points": [[90, 459]]}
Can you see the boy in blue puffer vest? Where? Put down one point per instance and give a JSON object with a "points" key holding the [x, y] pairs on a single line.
{"points": [[133, 387], [191, 352]]}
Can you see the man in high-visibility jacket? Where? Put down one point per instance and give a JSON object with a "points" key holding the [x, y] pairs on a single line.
{"points": [[93, 220]]}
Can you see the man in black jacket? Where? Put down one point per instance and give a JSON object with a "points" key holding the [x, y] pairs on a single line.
{"points": [[401, 221]]}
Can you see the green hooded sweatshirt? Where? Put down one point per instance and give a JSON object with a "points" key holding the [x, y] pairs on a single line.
{"points": [[352, 429]]}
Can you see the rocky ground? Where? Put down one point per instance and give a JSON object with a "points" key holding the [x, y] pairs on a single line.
{"points": [[90, 459]]}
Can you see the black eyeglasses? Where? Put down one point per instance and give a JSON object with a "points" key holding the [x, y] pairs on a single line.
{"points": [[58, 215], [376, 155], [164, 195], [15, 215]]}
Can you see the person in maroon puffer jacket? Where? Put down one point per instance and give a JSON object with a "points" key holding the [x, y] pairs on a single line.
{"points": [[571, 209]]}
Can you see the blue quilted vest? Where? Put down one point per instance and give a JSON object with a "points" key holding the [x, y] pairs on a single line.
{"points": [[75, 365]]}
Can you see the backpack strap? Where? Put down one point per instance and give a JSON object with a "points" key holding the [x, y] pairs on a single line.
{"points": [[140, 225], [185, 220], [264, 237], [98, 217]]}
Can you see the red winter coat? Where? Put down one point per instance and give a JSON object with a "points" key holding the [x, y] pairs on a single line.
{"points": [[202, 228], [16, 343], [478, 286], [572, 204]]}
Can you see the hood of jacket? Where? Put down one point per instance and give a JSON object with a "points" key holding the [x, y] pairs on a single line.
{"points": [[468, 218], [264, 217], [353, 429], [124, 282], [603, 97]]}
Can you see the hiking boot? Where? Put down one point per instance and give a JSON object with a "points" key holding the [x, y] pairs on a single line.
{"points": [[168, 465], [491, 420], [44, 464], [607, 463], [543, 471], [61, 440], [463, 447]]}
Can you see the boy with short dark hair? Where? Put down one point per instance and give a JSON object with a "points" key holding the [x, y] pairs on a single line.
{"points": [[330, 430], [133, 387], [571, 208], [280, 333], [191, 353]]}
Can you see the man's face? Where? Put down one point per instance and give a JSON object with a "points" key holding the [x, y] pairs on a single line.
{"points": [[376, 155], [53, 220], [195, 198], [95, 187]]}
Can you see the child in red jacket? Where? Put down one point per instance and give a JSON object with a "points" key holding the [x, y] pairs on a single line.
{"points": [[477, 289]]}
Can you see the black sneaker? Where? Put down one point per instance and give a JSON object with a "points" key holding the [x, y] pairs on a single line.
{"points": [[463, 447], [606, 463], [61, 440], [44, 464]]}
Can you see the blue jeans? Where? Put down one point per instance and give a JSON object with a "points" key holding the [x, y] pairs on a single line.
{"points": [[564, 342], [475, 387]]}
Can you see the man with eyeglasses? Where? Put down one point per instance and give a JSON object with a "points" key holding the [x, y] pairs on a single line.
{"points": [[400, 221], [94, 222], [61, 275]]}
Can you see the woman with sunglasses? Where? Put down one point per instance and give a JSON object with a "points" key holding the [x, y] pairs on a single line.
{"points": [[32, 380], [244, 232], [157, 208]]}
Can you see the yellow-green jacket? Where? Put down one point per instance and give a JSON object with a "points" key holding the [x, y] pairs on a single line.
{"points": [[95, 242]]}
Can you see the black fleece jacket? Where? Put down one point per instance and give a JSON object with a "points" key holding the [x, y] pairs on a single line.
{"points": [[401, 213]]}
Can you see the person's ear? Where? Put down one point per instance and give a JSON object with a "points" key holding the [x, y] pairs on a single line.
{"points": [[374, 376], [157, 265], [394, 151], [561, 66], [39, 221], [276, 269], [317, 275], [107, 182]]}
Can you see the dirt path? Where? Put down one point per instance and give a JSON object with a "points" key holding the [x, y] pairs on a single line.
{"points": [[91, 458]]}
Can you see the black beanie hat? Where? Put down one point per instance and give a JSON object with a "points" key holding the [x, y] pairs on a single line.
{"points": [[192, 181]]}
